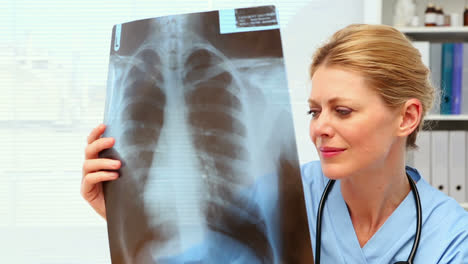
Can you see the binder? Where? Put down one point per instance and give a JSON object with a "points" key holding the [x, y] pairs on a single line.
{"points": [[457, 78], [446, 79], [435, 58], [422, 155], [464, 99], [457, 165], [466, 169], [439, 160], [424, 49]]}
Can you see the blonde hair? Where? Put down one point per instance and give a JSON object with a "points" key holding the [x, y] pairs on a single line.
{"points": [[386, 59]]}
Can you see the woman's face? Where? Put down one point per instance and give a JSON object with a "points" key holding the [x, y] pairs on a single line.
{"points": [[351, 127]]}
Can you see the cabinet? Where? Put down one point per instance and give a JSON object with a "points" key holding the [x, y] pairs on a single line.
{"points": [[382, 12]]}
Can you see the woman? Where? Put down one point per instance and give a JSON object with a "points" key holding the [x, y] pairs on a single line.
{"points": [[370, 94]]}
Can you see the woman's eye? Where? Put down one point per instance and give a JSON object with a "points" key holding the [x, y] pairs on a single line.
{"points": [[313, 112], [343, 111]]}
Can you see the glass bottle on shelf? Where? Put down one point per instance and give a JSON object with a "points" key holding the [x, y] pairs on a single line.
{"points": [[439, 16], [430, 16], [465, 14]]}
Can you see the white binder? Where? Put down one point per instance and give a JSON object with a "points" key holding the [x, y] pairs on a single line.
{"points": [[457, 165], [466, 170], [465, 80], [439, 160], [422, 156], [424, 49]]}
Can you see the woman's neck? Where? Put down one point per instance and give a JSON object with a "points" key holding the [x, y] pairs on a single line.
{"points": [[372, 197]]}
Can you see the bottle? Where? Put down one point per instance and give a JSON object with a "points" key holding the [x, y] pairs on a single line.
{"points": [[447, 20], [439, 16], [430, 16], [465, 16]]}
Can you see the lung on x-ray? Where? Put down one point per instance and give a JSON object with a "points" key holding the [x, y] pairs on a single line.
{"points": [[199, 107]]}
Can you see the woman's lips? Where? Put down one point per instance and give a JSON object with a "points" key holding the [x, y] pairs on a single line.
{"points": [[328, 152]]}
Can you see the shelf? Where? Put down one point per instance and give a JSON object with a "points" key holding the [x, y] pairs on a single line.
{"points": [[386, 11], [433, 30], [446, 122], [436, 34], [447, 117]]}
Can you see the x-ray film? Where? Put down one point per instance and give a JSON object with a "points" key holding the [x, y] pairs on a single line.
{"points": [[199, 107]]}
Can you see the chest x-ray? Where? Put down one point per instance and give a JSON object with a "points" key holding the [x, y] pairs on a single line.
{"points": [[199, 107]]}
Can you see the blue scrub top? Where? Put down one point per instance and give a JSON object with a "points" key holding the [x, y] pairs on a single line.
{"points": [[444, 235]]}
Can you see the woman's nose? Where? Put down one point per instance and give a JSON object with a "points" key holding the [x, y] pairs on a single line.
{"points": [[321, 126]]}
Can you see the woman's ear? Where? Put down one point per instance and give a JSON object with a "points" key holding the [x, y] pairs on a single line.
{"points": [[410, 117]]}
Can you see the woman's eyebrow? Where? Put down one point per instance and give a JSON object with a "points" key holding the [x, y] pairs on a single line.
{"points": [[332, 100], [311, 101]]}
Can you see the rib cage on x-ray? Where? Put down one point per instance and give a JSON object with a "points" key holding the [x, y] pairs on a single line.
{"points": [[219, 135], [185, 119]]}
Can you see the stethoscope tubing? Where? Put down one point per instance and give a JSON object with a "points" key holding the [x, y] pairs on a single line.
{"points": [[417, 237], [318, 236]]}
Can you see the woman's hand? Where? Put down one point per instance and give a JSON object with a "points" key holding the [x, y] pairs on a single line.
{"points": [[96, 170]]}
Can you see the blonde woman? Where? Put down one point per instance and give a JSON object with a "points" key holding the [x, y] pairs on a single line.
{"points": [[370, 93]]}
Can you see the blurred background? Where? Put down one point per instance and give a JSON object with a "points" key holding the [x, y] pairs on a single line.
{"points": [[53, 71]]}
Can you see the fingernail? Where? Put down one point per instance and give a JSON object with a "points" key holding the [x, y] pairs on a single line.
{"points": [[115, 164]]}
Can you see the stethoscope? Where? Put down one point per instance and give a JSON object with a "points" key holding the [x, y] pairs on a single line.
{"points": [[418, 221]]}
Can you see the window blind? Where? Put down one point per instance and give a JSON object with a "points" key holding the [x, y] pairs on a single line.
{"points": [[53, 73]]}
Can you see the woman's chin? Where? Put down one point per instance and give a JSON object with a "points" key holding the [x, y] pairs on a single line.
{"points": [[334, 171]]}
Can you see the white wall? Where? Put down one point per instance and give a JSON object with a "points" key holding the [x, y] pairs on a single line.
{"points": [[305, 31], [53, 71]]}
